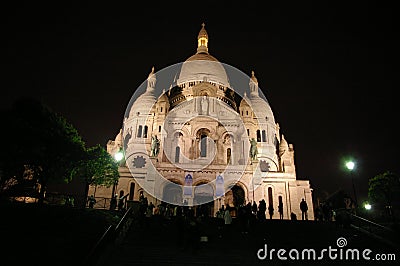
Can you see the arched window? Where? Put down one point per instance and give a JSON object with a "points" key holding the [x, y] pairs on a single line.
{"points": [[203, 145], [145, 132], [139, 132], [270, 199], [228, 156], [258, 136], [177, 153], [264, 136], [132, 191]]}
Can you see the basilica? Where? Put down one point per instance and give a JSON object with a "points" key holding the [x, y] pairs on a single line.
{"points": [[202, 133]]}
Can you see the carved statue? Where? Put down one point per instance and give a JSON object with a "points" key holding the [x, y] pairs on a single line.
{"points": [[155, 146], [204, 105], [253, 149]]}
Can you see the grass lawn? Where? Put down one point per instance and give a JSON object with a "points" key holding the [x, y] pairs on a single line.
{"points": [[50, 235]]}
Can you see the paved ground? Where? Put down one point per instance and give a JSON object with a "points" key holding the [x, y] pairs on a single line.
{"points": [[49, 235], [163, 243]]}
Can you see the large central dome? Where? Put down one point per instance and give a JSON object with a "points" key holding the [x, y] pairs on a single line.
{"points": [[202, 66]]}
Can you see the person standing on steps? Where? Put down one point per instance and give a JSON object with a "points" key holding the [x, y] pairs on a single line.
{"points": [[304, 209], [227, 219], [270, 211], [91, 201], [280, 210]]}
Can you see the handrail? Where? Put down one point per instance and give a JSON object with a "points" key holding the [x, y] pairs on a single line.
{"points": [[371, 222], [123, 219], [122, 227], [90, 259], [99, 242], [378, 231], [111, 235]]}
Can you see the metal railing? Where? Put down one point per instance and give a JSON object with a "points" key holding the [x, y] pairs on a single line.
{"points": [[378, 231], [112, 236]]}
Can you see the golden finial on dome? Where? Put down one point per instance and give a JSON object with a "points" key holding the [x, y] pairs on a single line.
{"points": [[202, 40]]}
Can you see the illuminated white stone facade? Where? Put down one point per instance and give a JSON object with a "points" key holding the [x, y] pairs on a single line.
{"points": [[202, 104]]}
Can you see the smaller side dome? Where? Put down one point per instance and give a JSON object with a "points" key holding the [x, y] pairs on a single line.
{"points": [[145, 102], [245, 102], [163, 97]]}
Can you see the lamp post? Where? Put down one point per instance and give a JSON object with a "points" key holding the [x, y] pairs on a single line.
{"points": [[350, 165], [118, 156]]}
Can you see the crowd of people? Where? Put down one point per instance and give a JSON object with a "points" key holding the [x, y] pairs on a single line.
{"points": [[245, 212], [186, 215]]}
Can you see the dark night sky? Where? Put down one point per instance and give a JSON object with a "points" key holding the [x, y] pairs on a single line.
{"points": [[327, 70]]}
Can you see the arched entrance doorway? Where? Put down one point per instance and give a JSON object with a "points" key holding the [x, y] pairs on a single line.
{"points": [[234, 198], [172, 193], [204, 199]]}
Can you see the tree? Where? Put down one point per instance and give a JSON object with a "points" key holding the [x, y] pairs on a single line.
{"points": [[97, 168], [385, 188], [38, 139]]}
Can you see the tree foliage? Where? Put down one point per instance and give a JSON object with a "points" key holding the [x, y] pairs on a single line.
{"points": [[44, 142], [97, 168], [37, 138], [384, 188]]}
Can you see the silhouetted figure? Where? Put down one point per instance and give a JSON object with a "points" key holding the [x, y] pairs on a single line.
{"points": [[270, 211], [180, 226], [141, 197], [293, 216], [304, 209], [262, 207], [220, 220], [149, 214], [254, 208], [70, 201], [121, 203], [91, 201], [327, 213], [113, 202], [227, 220], [192, 235], [280, 210], [242, 216], [319, 215], [249, 216]]}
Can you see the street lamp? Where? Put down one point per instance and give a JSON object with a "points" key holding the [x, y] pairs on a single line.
{"points": [[367, 206], [118, 156], [350, 165]]}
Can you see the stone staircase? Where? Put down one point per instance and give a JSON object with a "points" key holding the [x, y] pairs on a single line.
{"points": [[163, 242]]}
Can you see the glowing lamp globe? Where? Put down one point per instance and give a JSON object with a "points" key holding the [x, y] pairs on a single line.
{"points": [[350, 165], [118, 156]]}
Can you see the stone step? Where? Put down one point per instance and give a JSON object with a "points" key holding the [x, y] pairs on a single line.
{"points": [[157, 244]]}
